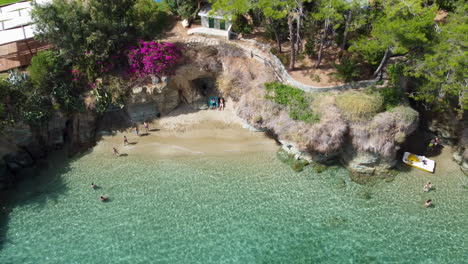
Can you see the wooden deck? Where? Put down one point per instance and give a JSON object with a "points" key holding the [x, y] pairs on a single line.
{"points": [[18, 54]]}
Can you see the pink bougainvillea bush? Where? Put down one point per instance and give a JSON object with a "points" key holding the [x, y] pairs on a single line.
{"points": [[153, 58]]}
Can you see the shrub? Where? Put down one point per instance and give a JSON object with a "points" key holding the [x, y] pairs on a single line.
{"points": [[148, 18], [309, 48], [43, 66], [392, 96], [153, 58], [357, 106], [242, 25], [347, 70], [300, 57], [298, 105], [68, 98]]}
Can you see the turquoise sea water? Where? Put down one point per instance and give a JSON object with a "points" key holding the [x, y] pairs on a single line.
{"points": [[236, 208]]}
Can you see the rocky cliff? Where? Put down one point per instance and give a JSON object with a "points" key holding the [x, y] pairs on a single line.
{"points": [[23, 146]]}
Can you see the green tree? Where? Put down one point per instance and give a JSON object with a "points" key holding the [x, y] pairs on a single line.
{"points": [[87, 32], [401, 27], [43, 70], [331, 13], [149, 18], [442, 70], [186, 9]]}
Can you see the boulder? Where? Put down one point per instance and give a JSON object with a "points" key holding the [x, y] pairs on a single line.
{"points": [[18, 160], [185, 23], [365, 162]]}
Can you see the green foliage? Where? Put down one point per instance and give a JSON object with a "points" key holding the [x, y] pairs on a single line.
{"points": [[20, 101], [357, 106], [149, 18], [402, 26], [281, 27], [294, 99], [347, 70], [103, 99], [441, 71], [86, 32], [67, 98], [242, 25], [183, 8], [45, 66], [309, 47]]}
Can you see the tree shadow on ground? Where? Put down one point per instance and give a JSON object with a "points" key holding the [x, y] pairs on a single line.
{"points": [[35, 187]]}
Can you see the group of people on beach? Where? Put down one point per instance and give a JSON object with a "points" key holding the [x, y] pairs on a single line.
{"points": [[102, 198], [220, 102], [125, 139]]}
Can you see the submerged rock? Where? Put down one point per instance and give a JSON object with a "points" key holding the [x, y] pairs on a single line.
{"points": [[295, 164]]}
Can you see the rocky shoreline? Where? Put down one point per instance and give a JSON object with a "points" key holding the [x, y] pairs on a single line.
{"points": [[364, 148]]}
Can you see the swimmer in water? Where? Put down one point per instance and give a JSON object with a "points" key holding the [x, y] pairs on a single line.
{"points": [[102, 198], [94, 186], [428, 203]]}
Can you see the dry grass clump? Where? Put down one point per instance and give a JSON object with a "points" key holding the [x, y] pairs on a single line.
{"points": [[357, 106], [386, 130], [240, 75]]}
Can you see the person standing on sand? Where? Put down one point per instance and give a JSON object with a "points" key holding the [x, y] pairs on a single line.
{"points": [[125, 141], [221, 103], [137, 131], [146, 125], [116, 152]]}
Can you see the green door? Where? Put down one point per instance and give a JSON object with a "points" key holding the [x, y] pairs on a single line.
{"points": [[222, 24], [211, 22]]}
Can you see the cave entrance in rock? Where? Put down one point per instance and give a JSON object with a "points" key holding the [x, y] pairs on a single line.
{"points": [[206, 86]]}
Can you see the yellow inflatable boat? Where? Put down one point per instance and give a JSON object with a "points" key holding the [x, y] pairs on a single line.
{"points": [[419, 162]]}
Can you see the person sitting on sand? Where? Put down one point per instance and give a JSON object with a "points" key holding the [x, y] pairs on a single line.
{"points": [[428, 187], [116, 152], [428, 203], [212, 103], [221, 103], [125, 140], [94, 186], [102, 198]]}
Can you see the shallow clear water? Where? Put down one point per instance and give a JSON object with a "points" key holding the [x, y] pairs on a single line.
{"points": [[236, 208]]}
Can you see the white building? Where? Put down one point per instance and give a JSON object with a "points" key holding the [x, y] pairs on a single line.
{"points": [[213, 23], [16, 34]]}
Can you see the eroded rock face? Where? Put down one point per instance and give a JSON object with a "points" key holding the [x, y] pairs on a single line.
{"points": [[460, 155], [15, 161], [364, 162], [82, 131]]}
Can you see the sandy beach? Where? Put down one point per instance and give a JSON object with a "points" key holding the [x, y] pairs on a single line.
{"points": [[186, 132]]}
